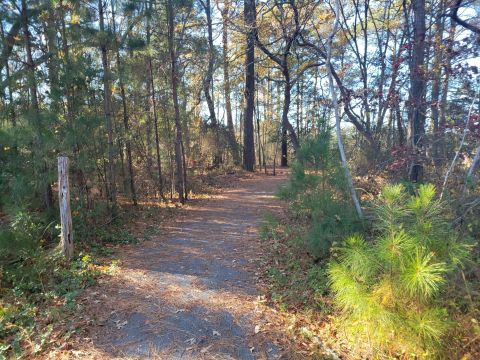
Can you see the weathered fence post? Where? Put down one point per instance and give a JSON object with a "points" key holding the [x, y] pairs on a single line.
{"points": [[65, 213]]}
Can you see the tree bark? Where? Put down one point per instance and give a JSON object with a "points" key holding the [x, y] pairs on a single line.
{"points": [[42, 169], [107, 98], [9, 84], [208, 83], [443, 108], [148, 102], [437, 74], [126, 125], [155, 125], [52, 64], [418, 84], [226, 79], [248, 137], [153, 112], [257, 118], [70, 95], [286, 125], [336, 107], [181, 188]]}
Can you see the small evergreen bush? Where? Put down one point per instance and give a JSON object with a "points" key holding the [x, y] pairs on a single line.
{"points": [[389, 291], [319, 196]]}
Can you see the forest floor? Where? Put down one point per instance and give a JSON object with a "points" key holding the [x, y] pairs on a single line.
{"points": [[191, 290]]}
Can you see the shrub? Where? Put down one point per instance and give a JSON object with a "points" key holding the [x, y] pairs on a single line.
{"points": [[319, 196], [389, 290], [24, 234]]}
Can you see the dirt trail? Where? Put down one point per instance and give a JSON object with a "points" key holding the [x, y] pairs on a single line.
{"points": [[190, 291]]}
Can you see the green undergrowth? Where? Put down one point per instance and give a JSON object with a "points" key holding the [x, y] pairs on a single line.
{"points": [[319, 216], [37, 296], [295, 281], [395, 289], [398, 285], [39, 290], [391, 287]]}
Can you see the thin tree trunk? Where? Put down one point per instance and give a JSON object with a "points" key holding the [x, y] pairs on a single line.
{"points": [[333, 94], [11, 105], [178, 124], [68, 86], [226, 78], [287, 126], [52, 64], [128, 144], [153, 108], [248, 137], [148, 134], [208, 82], [257, 117], [443, 108], [148, 102], [437, 74], [107, 95], [418, 86], [401, 133], [32, 84], [286, 108]]}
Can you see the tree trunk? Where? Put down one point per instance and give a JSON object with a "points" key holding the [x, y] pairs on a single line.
{"points": [[148, 131], [126, 125], [401, 133], [437, 74], [208, 82], [248, 137], [52, 64], [418, 86], [286, 108], [9, 84], [226, 78], [107, 99], [157, 136], [336, 107], [66, 233], [178, 124], [148, 104], [42, 170], [68, 86], [284, 159], [257, 127], [287, 126], [443, 108]]}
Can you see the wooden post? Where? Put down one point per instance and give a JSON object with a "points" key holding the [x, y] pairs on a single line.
{"points": [[65, 213]]}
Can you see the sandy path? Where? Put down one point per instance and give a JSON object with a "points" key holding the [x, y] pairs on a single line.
{"points": [[190, 291]]}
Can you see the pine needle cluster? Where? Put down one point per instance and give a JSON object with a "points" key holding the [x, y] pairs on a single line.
{"points": [[389, 290], [318, 195]]}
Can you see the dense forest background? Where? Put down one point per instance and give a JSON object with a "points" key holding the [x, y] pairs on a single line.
{"points": [[144, 96], [139, 94]]}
